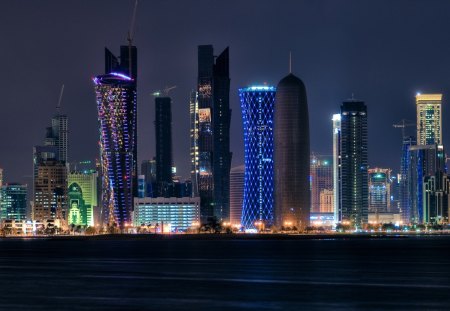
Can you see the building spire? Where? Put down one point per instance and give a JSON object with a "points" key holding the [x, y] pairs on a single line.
{"points": [[290, 62]]}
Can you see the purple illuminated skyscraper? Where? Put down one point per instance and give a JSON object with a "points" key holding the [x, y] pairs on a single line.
{"points": [[116, 103], [117, 115]]}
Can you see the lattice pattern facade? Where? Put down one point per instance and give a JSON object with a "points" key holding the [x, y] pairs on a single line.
{"points": [[257, 106]]}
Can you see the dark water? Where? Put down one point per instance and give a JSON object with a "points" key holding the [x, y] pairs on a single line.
{"points": [[225, 274]]}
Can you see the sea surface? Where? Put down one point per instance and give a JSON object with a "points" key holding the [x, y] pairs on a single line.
{"points": [[225, 273]]}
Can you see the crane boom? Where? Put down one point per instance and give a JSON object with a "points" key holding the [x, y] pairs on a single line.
{"points": [[58, 107], [130, 39], [166, 91], [403, 124]]}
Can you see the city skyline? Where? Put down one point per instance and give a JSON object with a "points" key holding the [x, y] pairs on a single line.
{"points": [[82, 59]]}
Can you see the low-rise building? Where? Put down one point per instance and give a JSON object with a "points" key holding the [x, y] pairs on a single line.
{"points": [[178, 214]]}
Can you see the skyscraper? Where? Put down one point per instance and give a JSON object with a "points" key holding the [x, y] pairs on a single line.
{"points": [[50, 191], [436, 196], [127, 66], [148, 169], [429, 119], [214, 116], [163, 138], [321, 172], [337, 168], [60, 134], [13, 201], [379, 190], [405, 179], [257, 104], [117, 115], [1, 177], [291, 154], [354, 177], [194, 140], [237, 176], [425, 160]]}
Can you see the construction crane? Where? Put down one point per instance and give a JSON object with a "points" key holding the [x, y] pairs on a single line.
{"points": [[58, 107], [165, 91], [403, 124], [130, 37]]}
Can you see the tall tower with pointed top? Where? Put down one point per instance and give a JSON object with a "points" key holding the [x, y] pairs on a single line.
{"points": [[291, 154]]}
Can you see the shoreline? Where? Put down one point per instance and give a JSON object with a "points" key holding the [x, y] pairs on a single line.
{"points": [[227, 237]]}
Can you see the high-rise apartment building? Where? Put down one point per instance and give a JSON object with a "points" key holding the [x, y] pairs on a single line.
{"points": [[50, 191], [13, 201], [353, 171], [429, 119], [117, 115], [163, 138], [257, 104], [321, 177], [291, 154], [237, 176], [379, 190], [212, 149], [337, 168]]}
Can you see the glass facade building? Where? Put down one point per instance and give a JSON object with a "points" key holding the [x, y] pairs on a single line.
{"points": [[379, 190], [163, 138], [436, 203], [405, 179], [292, 154], [337, 167], [257, 106], [354, 168], [424, 161], [321, 178], [210, 130], [13, 202], [178, 213], [117, 115]]}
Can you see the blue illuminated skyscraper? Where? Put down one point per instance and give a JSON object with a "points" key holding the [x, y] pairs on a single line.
{"points": [[257, 105], [405, 180], [117, 114]]}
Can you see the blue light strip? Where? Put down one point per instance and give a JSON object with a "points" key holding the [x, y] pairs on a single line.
{"points": [[257, 106]]}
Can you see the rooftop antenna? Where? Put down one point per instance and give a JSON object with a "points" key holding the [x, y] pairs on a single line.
{"points": [[130, 37], [290, 62], [58, 107]]}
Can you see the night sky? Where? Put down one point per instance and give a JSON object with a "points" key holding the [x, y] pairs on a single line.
{"points": [[382, 51]]}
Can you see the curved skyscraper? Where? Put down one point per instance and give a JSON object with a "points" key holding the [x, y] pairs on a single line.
{"points": [[117, 112], [291, 155], [257, 103]]}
